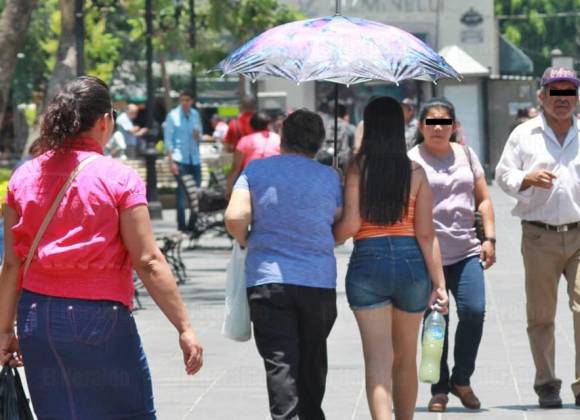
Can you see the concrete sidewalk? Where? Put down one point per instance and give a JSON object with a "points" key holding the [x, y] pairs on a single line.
{"points": [[232, 382]]}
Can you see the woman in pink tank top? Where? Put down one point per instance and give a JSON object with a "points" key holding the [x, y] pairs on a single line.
{"points": [[73, 300]]}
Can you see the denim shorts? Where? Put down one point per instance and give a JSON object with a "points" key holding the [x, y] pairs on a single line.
{"points": [[388, 270]]}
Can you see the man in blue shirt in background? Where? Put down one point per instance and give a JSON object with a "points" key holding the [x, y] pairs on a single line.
{"points": [[182, 133]]}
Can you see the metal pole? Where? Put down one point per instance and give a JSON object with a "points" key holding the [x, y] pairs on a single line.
{"points": [[338, 7], [80, 36], [437, 17], [155, 209], [192, 44], [335, 157]]}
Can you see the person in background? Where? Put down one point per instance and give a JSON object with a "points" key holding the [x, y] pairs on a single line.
{"points": [[240, 127], [291, 202], [395, 270], [220, 128], [459, 189], [344, 138], [533, 112], [540, 168], [261, 144], [411, 122], [182, 132], [522, 116], [278, 123], [116, 147], [130, 132], [460, 133], [78, 339]]}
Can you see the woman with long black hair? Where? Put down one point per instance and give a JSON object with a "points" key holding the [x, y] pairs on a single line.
{"points": [[395, 270]]}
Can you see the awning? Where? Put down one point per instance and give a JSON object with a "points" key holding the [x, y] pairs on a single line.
{"points": [[512, 60], [465, 64]]}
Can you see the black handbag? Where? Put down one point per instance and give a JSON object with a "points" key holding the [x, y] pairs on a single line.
{"points": [[14, 405], [478, 222]]}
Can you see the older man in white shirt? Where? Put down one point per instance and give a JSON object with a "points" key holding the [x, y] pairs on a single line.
{"points": [[540, 167]]}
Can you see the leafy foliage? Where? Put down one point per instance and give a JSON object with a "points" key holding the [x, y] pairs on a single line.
{"points": [[537, 36], [115, 31]]}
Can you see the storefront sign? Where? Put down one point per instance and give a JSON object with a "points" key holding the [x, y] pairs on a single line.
{"points": [[472, 36], [472, 18]]}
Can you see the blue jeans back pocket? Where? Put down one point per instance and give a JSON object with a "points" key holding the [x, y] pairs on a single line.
{"points": [[93, 325], [27, 319]]}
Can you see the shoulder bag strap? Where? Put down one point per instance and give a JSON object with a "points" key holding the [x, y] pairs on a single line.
{"points": [[53, 209], [468, 154]]}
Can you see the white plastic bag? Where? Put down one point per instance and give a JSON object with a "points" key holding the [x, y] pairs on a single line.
{"points": [[237, 310]]}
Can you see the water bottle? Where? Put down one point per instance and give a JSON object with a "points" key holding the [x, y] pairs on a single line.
{"points": [[433, 337]]}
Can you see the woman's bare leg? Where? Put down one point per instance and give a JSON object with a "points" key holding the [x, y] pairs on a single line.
{"points": [[405, 381], [375, 330]]}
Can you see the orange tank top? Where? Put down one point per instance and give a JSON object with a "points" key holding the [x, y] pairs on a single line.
{"points": [[404, 227]]}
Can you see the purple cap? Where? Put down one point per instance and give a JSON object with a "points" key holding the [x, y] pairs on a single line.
{"points": [[559, 74]]}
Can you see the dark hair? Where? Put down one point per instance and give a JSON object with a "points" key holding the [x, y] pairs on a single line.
{"points": [[429, 105], [248, 103], [342, 111], [75, 109], [260, 121], [522, 113], [324, 108], [302, 132], [385, 168], [186, 92]]}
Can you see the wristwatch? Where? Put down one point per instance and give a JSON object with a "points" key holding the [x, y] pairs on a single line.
{"points": [[490, 239]]}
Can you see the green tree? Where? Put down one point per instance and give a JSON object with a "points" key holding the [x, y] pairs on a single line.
{"points": [[538, 35], [14, 22], [237, 21]]}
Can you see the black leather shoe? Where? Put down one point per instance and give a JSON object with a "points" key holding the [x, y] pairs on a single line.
{"points": [[578, 400], [549, 396]]}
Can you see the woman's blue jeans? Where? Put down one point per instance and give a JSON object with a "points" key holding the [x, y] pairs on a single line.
{"points": [[465, 281], [83, 359]]}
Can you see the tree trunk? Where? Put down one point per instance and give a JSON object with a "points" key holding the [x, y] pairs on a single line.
{"points": [[64, 68], [165, 80], [13, 26], [66, 60]]}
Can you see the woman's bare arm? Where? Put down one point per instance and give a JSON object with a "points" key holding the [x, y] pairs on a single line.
{"points": [[238, 215], [350, 222], [157, 277], [235, 172], [485, 207], [427, 238]]}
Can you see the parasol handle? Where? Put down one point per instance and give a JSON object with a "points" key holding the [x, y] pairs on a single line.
{"points": [[335, 152], [338, 7]]}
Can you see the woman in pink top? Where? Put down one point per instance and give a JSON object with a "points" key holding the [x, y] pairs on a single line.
{"points": [[83, 356], [261, 144]]}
